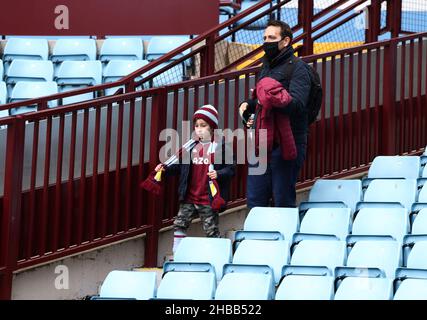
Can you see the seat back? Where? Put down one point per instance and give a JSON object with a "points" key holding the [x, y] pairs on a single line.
{"points": [[382, 254], [392, 190], [420, 223], [334, 221], [382, 221], [417, 257], [121, 49], [245, 286], [275, 254], [129, 284], [117, 69], [422, 197], [187, 285], [283, 220], [347, 191], [412, 289], [74, 50], [407, 167], [26, 49], [216, 251], [160, 45], [327, 253], [29, 70], [79, 73], [363, 288], [305, 287]]}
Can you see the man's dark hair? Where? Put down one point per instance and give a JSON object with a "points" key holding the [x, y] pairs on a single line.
{"points": [[285, 30]]}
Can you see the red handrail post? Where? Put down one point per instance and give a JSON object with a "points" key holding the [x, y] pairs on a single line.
{"points": [[10, 223], [374, 19], [207, 57], [154, 206], [305, 18], [395, 17], [388, 130]]}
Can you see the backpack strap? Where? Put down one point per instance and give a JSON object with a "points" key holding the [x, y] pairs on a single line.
{"points": [[290, 68]]}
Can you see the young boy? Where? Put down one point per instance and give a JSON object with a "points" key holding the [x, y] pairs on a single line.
{"points": [[194, 191]]}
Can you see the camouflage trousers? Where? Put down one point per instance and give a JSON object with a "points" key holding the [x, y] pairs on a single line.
{"points": [[187, 212]]}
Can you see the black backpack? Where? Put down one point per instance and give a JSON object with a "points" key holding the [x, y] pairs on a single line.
{"points": [[316, 93]]}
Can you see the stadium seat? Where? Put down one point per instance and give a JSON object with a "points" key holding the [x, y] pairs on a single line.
{"points": [[160, 45], [243, 282], [169, 76], [382, 254], [29, 70], [334, 221], [412, 289], [414, 251], [187, 285], [275, 254], [382, 221], [327, 253], [1, 70], [424, 174], [401, 191], [407, 167], [129, 284], [121, 49], [422, 196], [117, 69], [419, 225], [74, 50], [411, 284], [306, 287], [364, 288], [78, 74], [24, 90], [25, 49], [284, 220], [346, 191], [87, 73], [3, 99], [208, 250], [3, 93]]}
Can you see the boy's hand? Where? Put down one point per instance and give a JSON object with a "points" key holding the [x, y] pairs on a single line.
{"points": [[213, 175], [159, 167]]}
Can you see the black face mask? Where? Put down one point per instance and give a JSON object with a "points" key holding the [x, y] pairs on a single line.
{"points": [[271, 49]]}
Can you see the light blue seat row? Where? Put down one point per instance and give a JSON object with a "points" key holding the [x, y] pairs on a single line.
{"points": [[129, 285]]}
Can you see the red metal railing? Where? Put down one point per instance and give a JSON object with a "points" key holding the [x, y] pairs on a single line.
{"points": [[72, 173], [208, 49]]}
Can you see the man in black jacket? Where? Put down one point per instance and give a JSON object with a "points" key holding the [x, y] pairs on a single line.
{"points": [[280, 63]]}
